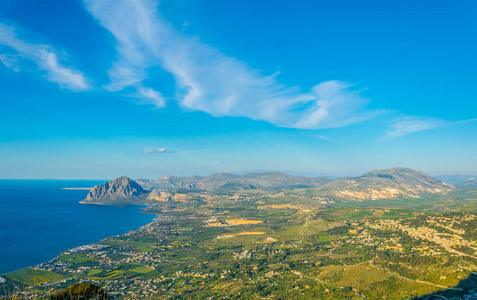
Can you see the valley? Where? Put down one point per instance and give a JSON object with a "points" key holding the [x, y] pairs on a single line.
{"points": [[276, 244]]}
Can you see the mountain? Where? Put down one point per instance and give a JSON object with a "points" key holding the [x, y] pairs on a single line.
{"points": [[263, 180], [121, 190], [469, 184], [386, 183], [452, 179], [377, 184]]}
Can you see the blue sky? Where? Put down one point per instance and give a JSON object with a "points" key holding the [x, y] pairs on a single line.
{"points": [[99, 89]]}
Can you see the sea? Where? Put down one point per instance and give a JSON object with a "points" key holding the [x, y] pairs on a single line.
{"points": [[39, 220]]}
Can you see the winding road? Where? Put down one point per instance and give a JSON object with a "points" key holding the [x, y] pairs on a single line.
{"points": [[325, 283], [415, 281]]}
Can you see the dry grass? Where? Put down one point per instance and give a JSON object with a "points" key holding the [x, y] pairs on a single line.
{"points": [[233, 222], [240, 233]]}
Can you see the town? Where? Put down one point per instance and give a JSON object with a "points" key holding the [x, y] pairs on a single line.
{"points": [[243, 252]]}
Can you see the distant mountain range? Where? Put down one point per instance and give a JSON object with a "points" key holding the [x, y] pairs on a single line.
{"points": [[453, 179], [469, 184], [377, 184], [265, 180]]}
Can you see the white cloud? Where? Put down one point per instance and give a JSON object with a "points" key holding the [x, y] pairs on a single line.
{"points": [[407, 125], [44, 56], [150, 95], [10, 61], [209, 81], [164, 150], [160, 150], [322, 137]]}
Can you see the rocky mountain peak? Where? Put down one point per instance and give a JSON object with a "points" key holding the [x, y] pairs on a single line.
{"points": [[119, 190]]}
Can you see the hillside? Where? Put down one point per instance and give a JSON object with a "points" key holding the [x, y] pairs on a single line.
{"points": [[386, 183], [469, 184], [377, 184], [121, 190], [264, 180]]}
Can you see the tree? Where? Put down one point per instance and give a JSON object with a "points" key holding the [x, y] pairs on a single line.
{"points": [[80, 291]]}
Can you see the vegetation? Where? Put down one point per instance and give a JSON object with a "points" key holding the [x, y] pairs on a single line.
{"points": [[253, 244], [80, 291]]}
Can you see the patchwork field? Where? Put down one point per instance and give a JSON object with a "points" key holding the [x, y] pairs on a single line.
{"points": [[345, 251]]}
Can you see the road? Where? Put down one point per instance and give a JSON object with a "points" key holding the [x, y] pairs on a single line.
{"points": [[325, 283], [416, 281]]}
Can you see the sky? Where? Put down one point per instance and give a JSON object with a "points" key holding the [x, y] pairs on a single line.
{"points": [[96, 89]]}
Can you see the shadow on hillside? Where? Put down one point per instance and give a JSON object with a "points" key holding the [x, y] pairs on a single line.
{"points": [[466, 290]]}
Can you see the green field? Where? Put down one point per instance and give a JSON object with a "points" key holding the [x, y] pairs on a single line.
{"points": [[394, 249], [33, 277]]}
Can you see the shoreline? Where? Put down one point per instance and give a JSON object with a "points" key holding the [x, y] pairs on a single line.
{"points": [[102, 239]]}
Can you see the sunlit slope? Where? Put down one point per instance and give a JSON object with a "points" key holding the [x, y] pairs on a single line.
{"points": [[382, 184], [117, 191]]}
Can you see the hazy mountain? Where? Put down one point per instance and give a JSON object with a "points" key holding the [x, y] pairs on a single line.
{"points": [[263, 180], [377, 184], [469, 184], [386, 183], [121, 190], [455, 178]]}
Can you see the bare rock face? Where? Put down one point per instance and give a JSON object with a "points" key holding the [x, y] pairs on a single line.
{"points": [[121, 190]]}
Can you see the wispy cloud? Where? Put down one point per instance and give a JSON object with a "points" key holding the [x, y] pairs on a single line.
{"points": [[10, 61], [209, 81], [408, 125], [46, 58], [165, 151], [160, 150], [149, 96], [322, 137]]}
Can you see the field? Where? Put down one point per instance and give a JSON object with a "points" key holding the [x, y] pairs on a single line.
{"points": [[32, 277], [351, 250]]}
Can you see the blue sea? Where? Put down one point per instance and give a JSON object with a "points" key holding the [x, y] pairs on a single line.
{"points": [[39, 220]]}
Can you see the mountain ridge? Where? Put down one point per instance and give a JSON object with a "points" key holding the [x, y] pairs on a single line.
{"points": [[262, 180], [469, 184], [377, 184], [384, 183], [454, 179]]}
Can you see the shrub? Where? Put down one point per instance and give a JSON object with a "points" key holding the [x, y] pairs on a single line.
{"points": [[80, 291]]}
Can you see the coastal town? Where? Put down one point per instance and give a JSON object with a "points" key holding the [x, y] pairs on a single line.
{"points": [[198, 251]]}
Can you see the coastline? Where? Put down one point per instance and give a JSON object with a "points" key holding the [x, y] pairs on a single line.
{"points": [[83, 245], [145, 206]]}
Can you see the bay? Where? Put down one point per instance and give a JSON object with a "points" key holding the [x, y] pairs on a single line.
{"points": [[39, 220]]}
